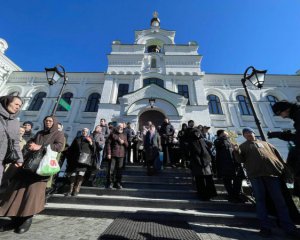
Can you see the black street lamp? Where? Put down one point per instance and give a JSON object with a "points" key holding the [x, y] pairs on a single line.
{"points": [[53, 75], [257, 78], [151, 102]]}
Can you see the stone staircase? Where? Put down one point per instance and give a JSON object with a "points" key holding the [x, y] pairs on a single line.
{"points": [[168, 194]]}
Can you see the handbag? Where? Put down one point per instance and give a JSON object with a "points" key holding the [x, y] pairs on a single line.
{"points": [[32, 160], [11, 155], [85, 159]]}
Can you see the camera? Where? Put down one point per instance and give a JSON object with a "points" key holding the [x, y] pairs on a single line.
{"points": [[283, 135]]}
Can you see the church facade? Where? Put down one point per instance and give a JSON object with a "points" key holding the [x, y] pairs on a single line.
{"points": [[149, 80]]}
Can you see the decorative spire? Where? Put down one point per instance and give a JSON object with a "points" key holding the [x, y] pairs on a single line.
{"points": [[155, 22]]}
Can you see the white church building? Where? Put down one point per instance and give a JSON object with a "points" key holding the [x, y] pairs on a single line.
{"points": [[152, 68]]}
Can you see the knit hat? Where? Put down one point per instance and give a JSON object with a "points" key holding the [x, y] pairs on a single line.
{"points": [[28, 122], [247, 129], [281, 106]]}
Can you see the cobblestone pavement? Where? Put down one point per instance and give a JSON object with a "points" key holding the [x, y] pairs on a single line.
{"points": [[57, 227]]}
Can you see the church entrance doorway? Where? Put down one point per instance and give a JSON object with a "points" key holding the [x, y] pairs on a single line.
{"points": [[154, 116]]}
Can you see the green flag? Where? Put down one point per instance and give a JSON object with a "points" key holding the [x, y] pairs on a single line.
{"points": [[64, 104]]}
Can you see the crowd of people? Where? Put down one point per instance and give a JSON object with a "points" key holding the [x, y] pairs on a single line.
{"points": [[208, 155]]}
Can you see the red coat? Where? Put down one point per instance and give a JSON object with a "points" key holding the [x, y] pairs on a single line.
{"points": [[114, 147]]}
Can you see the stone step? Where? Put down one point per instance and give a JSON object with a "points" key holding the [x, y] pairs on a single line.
{"points": [[99, 211], [128, 201], [144, 192], [165, 185]]}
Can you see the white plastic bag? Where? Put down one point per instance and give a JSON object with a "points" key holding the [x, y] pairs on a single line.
{"points": [[48, 165]]}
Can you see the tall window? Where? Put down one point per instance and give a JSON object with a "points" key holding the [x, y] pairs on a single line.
{"points": [[272, 100], [37, 101], [244, 105], [156, 81], [122, 90], [153, 63], [214, 104], [68, 98], [93, 103], [183, 90]]}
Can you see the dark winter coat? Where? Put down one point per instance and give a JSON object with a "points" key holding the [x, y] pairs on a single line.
{"points": [[28, 135], [166, 132], [12, 126], [226, 165], [152, 147], [79, 144], [105, 131], [295, 116], [99, 140], [129, 133], [114, 147], [199, 155]]}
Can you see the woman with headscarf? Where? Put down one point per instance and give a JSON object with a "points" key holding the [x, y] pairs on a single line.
{"points": [[75, 169], [25, 195], [9, 124]]}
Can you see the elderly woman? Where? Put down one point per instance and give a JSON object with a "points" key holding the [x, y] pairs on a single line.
{"points": [[9, 109], [25, 195], [76, 169]]}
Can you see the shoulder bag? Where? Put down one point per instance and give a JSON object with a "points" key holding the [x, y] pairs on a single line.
{"points": [[32, 160], [11, 155]]}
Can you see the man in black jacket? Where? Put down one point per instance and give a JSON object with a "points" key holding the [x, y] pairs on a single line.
{"points": [[292, 111], [166, 133]]}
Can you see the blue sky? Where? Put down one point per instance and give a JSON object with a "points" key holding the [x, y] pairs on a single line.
{"points": [[232, 34]]}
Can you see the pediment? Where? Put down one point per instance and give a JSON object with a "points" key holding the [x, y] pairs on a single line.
{"points": [[154, 91]]}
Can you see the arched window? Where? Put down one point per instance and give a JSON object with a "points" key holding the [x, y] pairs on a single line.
{"points": [[214, 104], [37, 102], [156, 81], [244, 105], [67, 97], [153, 63], [153, 48], [272, 100], [93, 103]]}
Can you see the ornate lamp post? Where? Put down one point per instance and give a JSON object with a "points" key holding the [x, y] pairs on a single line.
{"points": [[151, 102], [257, 78], [53, 75]]}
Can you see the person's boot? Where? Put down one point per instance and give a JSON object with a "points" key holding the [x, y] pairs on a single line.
{"points": [[24, 227], [72, 183], [77, 185], [14, 223]]}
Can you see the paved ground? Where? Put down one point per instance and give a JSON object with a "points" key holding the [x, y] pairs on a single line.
{"points": [[57, 227]]}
